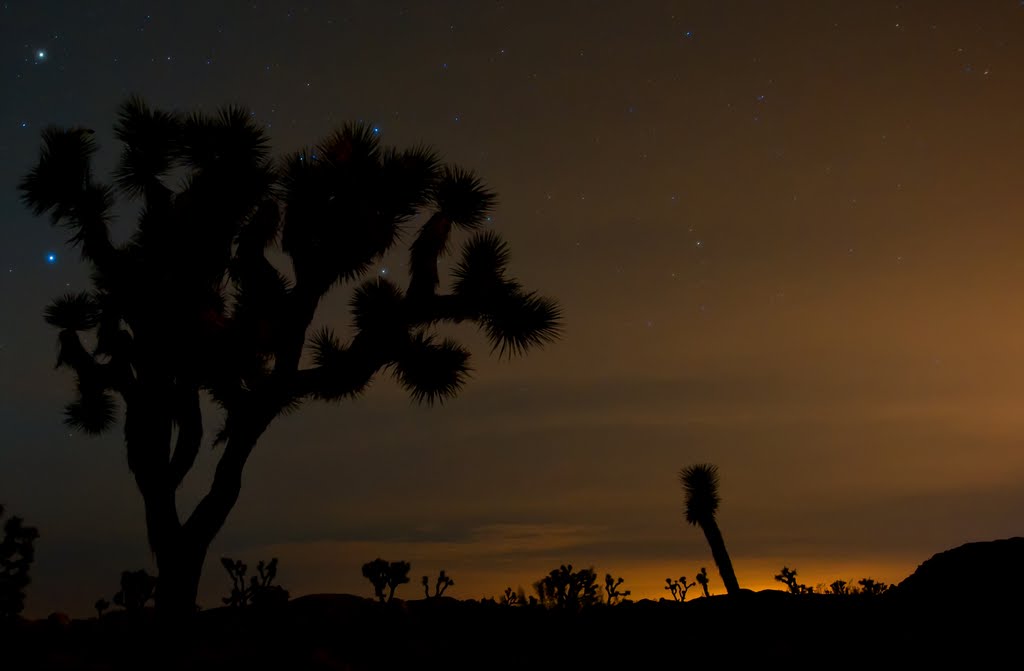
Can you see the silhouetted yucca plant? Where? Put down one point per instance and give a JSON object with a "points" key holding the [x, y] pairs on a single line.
{"points": [[700, 485]]}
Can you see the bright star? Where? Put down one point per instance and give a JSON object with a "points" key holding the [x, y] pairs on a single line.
{"points": [[41, 55], [51, 258]]}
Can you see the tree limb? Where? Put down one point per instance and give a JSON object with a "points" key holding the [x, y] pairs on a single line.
{"points": [[190, 434]]}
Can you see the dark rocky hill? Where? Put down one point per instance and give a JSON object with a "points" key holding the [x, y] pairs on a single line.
{"points": [[971, 573]]}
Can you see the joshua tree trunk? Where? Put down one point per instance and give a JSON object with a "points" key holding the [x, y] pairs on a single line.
{"points": [[720, 554], [177, 588], [180, 548]]}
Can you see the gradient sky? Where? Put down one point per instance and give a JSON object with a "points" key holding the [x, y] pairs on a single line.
{"points": [[786, 237]]}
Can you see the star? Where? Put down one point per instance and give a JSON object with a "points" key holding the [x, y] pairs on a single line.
{"points": [[51, 258]]}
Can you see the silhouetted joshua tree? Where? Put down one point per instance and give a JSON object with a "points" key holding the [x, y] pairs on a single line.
{"points": [[376, 572], [678, 589], [839, 588], [611, 588], [398, 574], [871, 588], [191, 305], [702, 580], [567, 589], [788, 578], [17, 552], [443, 583], [383, 574], [137, 588], [700, 484], [101, 607], [512, 598], [259, 591]]}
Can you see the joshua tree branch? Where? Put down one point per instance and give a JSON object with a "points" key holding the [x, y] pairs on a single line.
{"points": [[211, 512], [74, 355], [115, 374], [190, 434]]}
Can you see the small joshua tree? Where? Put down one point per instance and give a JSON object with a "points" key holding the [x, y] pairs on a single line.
{"points": [[869, 587], [702, 579], [376, 572], [678, 589], [137, 589], [788, 578], [101, 605], [17, 552], [839, 588], [611, 587], [398, 574], [383, 574], [567, 589], [259, 590], [443, 583], [512, 598]]}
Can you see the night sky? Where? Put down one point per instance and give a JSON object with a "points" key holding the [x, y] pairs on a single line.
{"points": [[787, 238]]}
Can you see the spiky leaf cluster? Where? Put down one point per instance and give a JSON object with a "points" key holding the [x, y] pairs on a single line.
{"points": [[700, 485]]}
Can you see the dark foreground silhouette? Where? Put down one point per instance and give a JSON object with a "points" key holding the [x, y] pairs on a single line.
{"points": [[930, 620]]}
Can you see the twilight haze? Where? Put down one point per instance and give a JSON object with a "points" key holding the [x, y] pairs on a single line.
{"points": [[786, 238]]}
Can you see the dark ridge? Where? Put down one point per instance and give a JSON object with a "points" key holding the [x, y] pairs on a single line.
{"points": [[980, 572]]}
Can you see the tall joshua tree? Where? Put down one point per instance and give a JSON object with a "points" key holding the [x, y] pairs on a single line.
{"points": [[191, 304], [700, 484]]}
